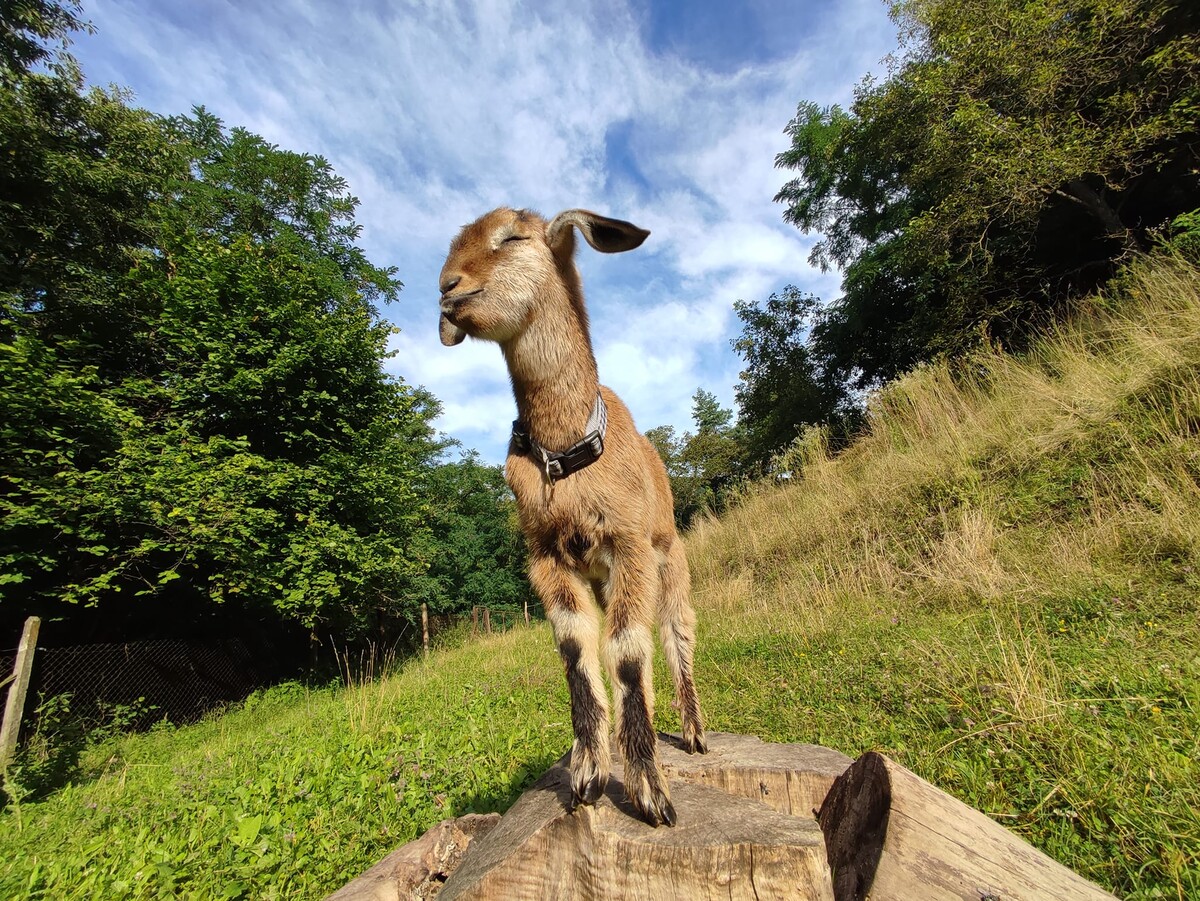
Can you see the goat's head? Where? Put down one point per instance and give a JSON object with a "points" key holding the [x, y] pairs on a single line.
{"points": [[505, 264]]}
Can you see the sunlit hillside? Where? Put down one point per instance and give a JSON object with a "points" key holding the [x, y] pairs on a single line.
{"points": [[998, 586], [999, 480]]}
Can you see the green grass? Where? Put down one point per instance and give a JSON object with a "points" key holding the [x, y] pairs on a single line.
{"points": [[1074, 724], [999, 587], [298, 790]]}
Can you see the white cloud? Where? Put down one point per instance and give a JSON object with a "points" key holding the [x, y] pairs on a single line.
{"points": [[436, 112]]}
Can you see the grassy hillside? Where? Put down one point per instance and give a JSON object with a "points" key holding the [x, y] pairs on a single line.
{"points": [[998, 587]]}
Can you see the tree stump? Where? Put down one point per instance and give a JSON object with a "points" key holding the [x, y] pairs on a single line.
{"points": [[747, 828], [892, 836], [725, 846], [791, 778]]}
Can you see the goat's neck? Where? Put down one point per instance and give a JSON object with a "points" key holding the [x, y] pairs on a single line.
{"points": [[554, 378]]}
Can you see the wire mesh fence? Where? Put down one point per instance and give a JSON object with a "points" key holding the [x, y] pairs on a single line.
{"points": [[139, 683], [143, 682]]}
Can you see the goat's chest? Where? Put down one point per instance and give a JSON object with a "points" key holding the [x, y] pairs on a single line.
{"points": [[564, 520]]}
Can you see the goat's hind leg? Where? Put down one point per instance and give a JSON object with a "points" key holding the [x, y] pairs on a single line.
{"points": [[576, 632], [677, 631]]}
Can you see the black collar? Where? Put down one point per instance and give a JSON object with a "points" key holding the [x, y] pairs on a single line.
{"points": [[583, 453]]}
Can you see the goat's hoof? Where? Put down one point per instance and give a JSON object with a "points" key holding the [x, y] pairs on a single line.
{"points": [[647, 791], [589, 792], [668, 813], [695, 744], [659, 812]]}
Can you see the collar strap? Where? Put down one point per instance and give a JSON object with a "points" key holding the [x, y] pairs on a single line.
{"points": [[584, 452]]}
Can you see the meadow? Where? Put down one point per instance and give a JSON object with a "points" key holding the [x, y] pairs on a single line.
{"points": [[998, 585]]}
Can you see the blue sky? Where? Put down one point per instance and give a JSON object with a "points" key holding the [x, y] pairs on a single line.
{"points": [[668, 114]]}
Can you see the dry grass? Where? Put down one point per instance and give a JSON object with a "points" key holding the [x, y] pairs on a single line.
{"points": [[924, 507]]}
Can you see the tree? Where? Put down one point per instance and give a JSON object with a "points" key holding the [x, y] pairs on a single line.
{"points": [[28, 26], [784, 386], [1015, 153], [479, 552], [703, 466], [668, 446], [194, 407]]}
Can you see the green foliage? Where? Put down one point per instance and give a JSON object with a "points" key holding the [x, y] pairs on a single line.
{"points": [[297, 791], [783, 387], [48, 759], [1183, 237], [27, 25], [480, 553], [1015, 153], [193, 407], [705, 466]]}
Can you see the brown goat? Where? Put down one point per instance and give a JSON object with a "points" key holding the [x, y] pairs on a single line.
{"points": [[605, 525]]}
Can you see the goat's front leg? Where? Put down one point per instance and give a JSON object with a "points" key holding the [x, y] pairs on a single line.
{"points": [[632, 587], [573, 617]]}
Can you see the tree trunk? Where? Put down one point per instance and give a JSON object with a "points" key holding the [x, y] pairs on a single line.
{"points": [[1091, 200]]}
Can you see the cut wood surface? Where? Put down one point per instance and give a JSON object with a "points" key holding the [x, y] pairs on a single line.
{"points": [[724, 846], [792, 778], [415, 872], [892, 836]]}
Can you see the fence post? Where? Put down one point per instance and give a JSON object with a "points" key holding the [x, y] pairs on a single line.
{"points": [[474, 621], [487, 619], [425, 627], [14, 707], [527, 611]]}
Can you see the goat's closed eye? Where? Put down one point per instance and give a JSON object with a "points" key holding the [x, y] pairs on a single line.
{"points": [[514, 238]]}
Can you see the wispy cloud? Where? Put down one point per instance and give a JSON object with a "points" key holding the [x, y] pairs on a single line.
{"points": [[436, 112]]}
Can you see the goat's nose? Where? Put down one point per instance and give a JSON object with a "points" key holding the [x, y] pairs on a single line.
{"points": [[450, 285]]}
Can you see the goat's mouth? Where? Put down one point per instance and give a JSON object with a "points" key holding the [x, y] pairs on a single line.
{"points": [[451, 306]]}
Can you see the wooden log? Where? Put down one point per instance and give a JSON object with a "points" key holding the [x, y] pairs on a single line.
{"points": [[891, 836], [791, 778], [724, 846], [416, 871]]}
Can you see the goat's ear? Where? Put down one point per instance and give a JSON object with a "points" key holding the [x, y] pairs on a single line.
{"points": [[450, 333], [604, 234]]}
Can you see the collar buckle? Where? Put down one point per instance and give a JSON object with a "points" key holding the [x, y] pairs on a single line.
{"points": [[558, 465]]}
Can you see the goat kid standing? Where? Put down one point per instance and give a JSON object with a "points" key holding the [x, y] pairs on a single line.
{"points": [[593, 495]]}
